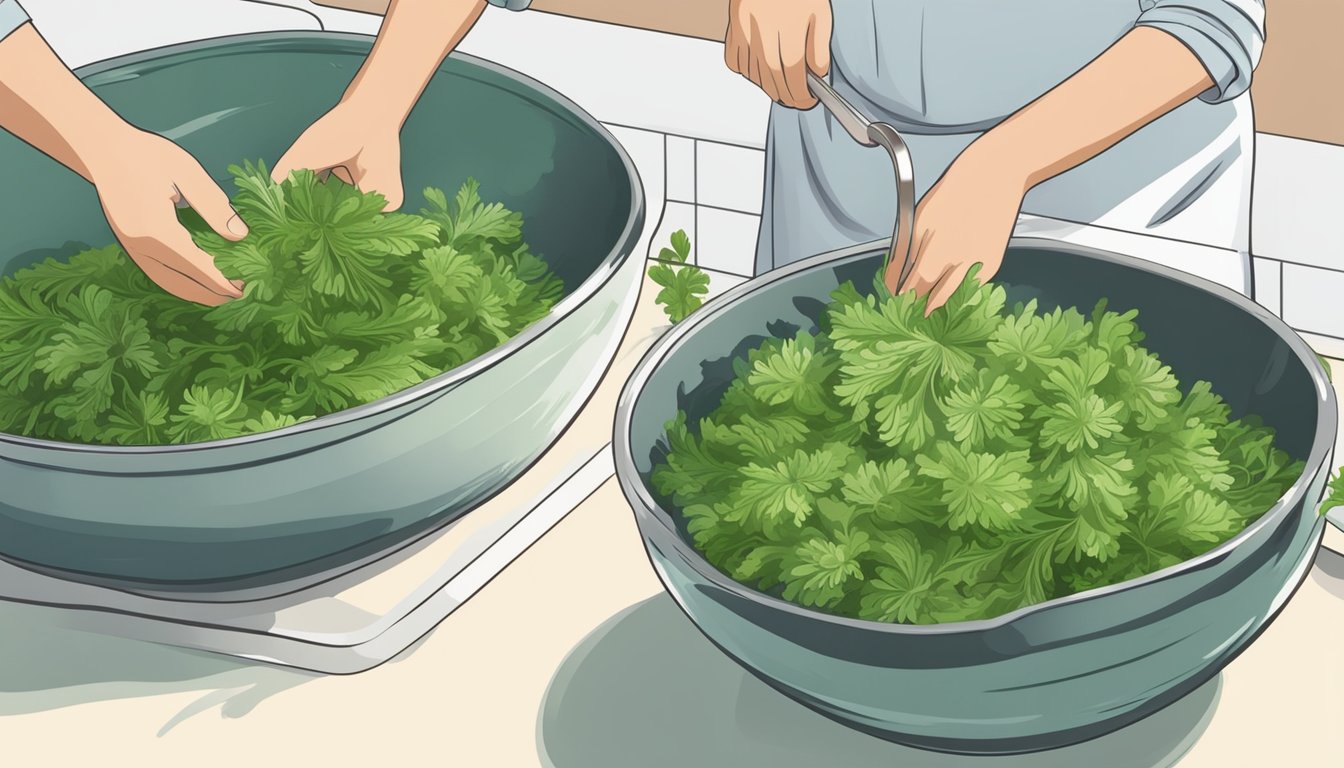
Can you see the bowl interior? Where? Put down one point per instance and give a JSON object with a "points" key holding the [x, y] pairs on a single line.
{"points": [[1200, 333], [249, 97]]}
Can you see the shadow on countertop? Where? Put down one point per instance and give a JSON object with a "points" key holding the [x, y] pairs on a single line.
{"points": [[46, 665], [647, 689]]}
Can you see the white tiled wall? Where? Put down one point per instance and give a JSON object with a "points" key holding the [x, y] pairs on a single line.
{"points": [[681, 169], [1297, 236], [729, 177], [1269, 284], [714, 193]]}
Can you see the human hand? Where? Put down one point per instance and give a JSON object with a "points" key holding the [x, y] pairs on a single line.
{"points": [[964, 220], [140, 178], [353, 147], [774, 43]]}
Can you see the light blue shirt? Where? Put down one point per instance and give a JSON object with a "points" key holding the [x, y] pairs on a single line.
{"points": [[944, 71], [1225, 35], [11, 17]]}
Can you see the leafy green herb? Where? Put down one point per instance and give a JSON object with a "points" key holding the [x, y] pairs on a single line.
{"points": [[344, 305], [899, 468], [1334, 496], [684, 285]]}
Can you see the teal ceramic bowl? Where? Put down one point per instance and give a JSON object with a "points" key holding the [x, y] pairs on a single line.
{"points": [[1052, 674], [262, 513]]}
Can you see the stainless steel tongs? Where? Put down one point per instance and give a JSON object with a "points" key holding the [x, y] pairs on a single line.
{"points": [[872, 134]]}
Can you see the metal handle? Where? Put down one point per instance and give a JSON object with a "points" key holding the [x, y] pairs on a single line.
{"points": [[870, 134]]}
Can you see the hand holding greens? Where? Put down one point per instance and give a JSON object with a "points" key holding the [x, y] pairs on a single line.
{"points": [[343, 305], [899, 468]]}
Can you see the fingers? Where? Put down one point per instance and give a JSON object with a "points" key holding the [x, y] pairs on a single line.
{"points": [[775, 56], [344, 174], [793, 60], [177, 252], [769, 70], [924, 272], [205, 196], [287, 164], [819, 43], [176, 283], [757, 72], [948, 285], [387, 184], [732, 51]]}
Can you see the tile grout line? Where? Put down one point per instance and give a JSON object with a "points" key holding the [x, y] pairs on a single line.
{"points": [[695, 196], [688, 137]]}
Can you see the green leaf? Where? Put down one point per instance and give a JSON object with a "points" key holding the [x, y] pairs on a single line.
{"points": [[476, 220], [787, 491], [980, 489], [794, 373], [825, 569], [683, 289], [140, 419], [207, 414], [343, 241], [1334, 496], [885, 489], [1028, 341], [681, 245], [908, 588], [984, 409]]}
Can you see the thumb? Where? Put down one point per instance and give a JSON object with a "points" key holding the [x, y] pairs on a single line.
{"points": [[819, 44], [287, 164], [205, 196], [387, 184]]}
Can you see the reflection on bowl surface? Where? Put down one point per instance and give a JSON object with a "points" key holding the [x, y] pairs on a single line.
{"points": [[1055, 674]]}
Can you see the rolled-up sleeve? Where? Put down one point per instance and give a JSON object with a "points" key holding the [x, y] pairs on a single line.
{"points": [[1227, 36], [11, 17], [512, 5]]}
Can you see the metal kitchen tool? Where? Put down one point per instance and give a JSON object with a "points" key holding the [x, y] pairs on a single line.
{"points": [[873, 134]]}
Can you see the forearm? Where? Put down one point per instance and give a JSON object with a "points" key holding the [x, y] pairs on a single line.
{"points": [[1144, 75], [43, 103], [415, 38]]}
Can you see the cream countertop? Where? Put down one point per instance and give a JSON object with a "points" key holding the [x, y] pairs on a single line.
{"points": [[574, 657]]}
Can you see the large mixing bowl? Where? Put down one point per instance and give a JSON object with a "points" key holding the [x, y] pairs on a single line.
{"points": [[1045, 676], [279, 507]]}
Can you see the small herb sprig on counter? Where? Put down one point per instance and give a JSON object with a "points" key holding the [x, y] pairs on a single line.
{"points": [[684, 285], [1334, 494]]}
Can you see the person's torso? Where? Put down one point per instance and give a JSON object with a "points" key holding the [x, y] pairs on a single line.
{"points": [[954, 66]]}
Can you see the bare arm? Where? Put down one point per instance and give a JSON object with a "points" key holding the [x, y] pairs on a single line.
{"points": [[1144, 75], [358, 141], [140, 176], [44, 104], [1141, 77], [415, 38]]}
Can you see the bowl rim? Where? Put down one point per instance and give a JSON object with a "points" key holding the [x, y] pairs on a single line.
{"points": [[350, 42], [657, 523]]}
